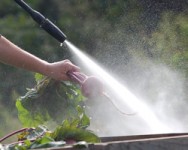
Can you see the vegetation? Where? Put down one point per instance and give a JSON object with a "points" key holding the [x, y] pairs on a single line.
{"points": [[149, 29], [64, 109]]}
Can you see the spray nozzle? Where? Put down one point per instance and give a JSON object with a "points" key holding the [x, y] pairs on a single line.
{"points": [[44, 23], [91, 86]]}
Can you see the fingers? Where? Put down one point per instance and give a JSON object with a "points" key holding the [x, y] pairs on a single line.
{"points": [[58, 70], [69, 66]]}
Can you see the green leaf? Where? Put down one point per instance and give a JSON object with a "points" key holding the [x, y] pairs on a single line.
{"points": [[48, 145], [65, 132], [84, 120], [27, 143], [45, 142], [27, 119], [38, 77]]}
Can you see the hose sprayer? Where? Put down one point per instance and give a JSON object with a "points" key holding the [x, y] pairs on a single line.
{"points": [[44, 23]]}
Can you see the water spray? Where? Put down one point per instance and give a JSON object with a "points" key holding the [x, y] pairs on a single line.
{"points": [[91, 86]]}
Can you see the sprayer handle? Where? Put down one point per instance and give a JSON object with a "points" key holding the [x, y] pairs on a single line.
{"points": [[77, 77], [44, 23]]}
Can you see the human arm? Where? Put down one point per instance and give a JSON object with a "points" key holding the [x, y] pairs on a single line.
{"points": [[15, 56]]}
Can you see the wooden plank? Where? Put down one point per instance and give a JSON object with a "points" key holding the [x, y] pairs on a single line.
{"points": [[139, 142], [141, 137]]}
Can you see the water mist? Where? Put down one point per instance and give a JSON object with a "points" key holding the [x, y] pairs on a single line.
{"points": [[122, 98]]}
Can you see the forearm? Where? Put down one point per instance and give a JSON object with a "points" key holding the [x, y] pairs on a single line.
{"points": [[15, 56]]}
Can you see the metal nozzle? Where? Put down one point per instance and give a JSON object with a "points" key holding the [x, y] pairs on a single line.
{"points": [[44, 23]]}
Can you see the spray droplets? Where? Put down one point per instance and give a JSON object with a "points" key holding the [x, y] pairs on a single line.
{"points": [[61, 44], [64, 44]]}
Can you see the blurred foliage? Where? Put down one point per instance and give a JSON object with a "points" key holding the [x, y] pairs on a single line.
{"points": [[156, 29], [169, 41]]}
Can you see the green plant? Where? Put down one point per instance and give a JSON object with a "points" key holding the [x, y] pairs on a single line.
{"points": [[50, 100]]}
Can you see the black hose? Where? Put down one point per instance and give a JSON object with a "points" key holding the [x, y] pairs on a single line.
{"points": [[44, 23]]}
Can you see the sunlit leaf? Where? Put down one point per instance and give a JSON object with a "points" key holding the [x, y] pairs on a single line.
{"points": [[65, 132], [27, 119], [38, 77]]}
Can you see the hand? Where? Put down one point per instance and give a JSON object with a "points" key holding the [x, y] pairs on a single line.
{"points": [[58, 70]]}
